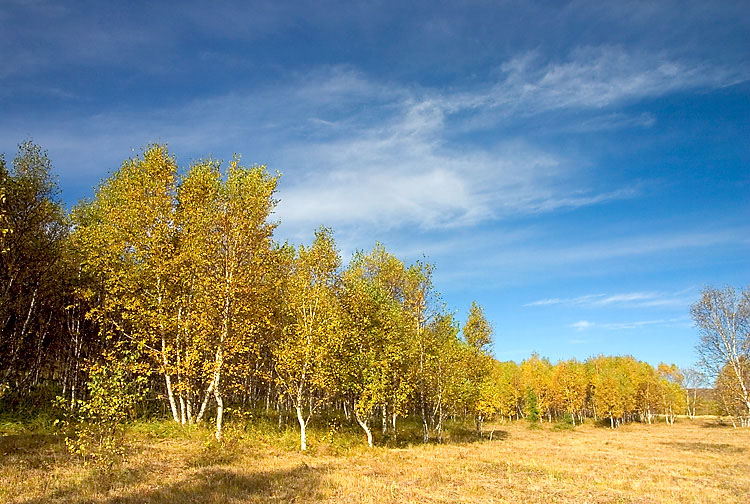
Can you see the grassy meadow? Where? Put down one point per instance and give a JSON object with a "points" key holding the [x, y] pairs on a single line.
{"points": [[702, 460]]}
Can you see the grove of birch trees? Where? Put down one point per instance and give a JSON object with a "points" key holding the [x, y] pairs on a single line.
{"points": [[170, 280]]}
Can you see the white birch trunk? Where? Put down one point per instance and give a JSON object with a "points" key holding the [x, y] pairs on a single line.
{"points": [[168, 380], [205, 400], [364, 425], [219, 406], [302, 428]]}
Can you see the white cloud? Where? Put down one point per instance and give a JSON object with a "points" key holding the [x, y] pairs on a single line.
{"points": [[583, 325], [359, 152], [405, 177], [626, 299], [597, 77], [355, 152], [565, 301], [399, 169]]}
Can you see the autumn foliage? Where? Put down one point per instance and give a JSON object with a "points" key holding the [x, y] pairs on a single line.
{"points": [[177, 272]]}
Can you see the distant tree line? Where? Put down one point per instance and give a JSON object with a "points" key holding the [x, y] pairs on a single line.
{"points": [[170, 284]]}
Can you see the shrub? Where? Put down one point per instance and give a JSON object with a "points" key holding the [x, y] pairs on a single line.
{"points": [[95, 425]]}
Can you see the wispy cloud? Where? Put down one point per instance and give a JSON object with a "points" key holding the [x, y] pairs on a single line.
{"points": [[361, 152], [613, 121], [591, 78], [558, 301], [627, 299], [406, 160], [600, 76], [583, 325], [355, 151]]}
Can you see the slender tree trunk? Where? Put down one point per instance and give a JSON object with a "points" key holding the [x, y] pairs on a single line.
{"points": [[206, 398], [425, 427], [695, 394], [302, 428], [309, 403], [28, 314], [76, 370], [384, 419], [190, 408], [170, 395], [168, 380], [183, 412], [738, 371], [365, 426], [19, 337], [440, 418], [219, 406], [220, 350], [217, 388], [268, 397]]}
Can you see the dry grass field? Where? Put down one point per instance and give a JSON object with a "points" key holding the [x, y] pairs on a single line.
{"points": [[692, 461]]}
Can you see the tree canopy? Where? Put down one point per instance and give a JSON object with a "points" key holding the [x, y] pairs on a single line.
{"points": [[170, 280]]}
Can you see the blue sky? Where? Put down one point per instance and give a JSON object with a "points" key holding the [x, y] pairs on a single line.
{"points": [[580, 169]]}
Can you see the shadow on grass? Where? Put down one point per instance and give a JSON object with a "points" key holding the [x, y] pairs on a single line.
{"points": [[31, 450], [207, 485], [464, 435], [214, 455], [706, 447], [26, 443], [495, 435], [221, 485], [718, 423], [454, 433]]}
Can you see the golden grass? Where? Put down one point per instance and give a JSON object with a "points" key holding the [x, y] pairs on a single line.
{"points": [[692, 461]]}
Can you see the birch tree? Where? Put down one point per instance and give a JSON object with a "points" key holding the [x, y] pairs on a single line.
{"points": [[480, 395], [377, 343], [569, 386], [305, 363], [536, 376], [648, 392], [731, 396], [608, 395], [181, 265], [444, 371], [196, 264], [128, 237], [237, 265], [693, 380], [417, 296], [508, 384], [723, 321]]}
